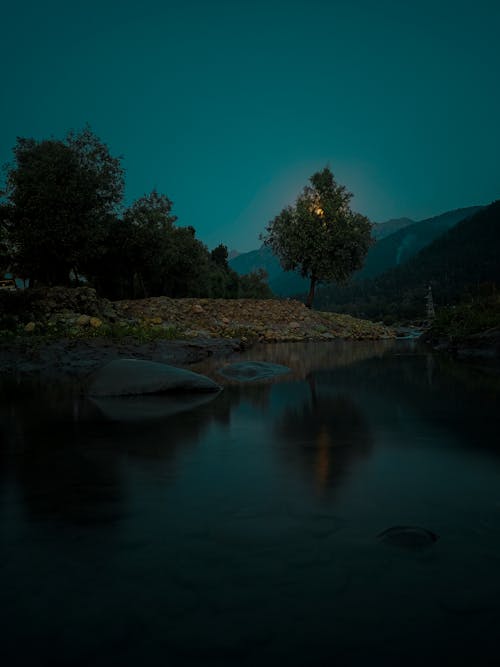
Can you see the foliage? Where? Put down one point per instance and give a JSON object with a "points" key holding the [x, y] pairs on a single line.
{"points": [[59, 222], [59, 196], [5, 254], [10, 329], [320, 235], [146, 255], [254, 286], [471, 316]]}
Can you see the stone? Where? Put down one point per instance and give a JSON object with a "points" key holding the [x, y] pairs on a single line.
{"points": [[30, 327], [197, 308], [149, 407], [95, 322], [133, 377], [293, 325], [249, 371], [408, 537], [83, 321]]}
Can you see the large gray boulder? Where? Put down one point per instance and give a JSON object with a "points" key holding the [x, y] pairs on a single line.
{"points": [[133, 377], [149, 407]]}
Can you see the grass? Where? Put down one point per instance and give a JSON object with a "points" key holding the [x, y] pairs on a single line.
{"points": [[116, 331]]}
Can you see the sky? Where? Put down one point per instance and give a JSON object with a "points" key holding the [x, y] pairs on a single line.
{"points": [[229, 107]]}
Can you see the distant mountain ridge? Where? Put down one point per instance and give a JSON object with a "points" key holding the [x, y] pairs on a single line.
{"points": [[403, 244], [382, 229], [391, 248], [463, 258]]}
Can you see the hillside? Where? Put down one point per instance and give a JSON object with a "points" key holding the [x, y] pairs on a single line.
{"points": [[382, 229], [396, 241], [460, 260], [400, 246]]}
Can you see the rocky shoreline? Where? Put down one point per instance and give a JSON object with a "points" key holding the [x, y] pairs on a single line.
{"points": [[78, 358], [484, 345], [73, 331]]}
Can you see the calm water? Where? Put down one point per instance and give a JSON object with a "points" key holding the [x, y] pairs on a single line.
{"points": [[244, 531]]}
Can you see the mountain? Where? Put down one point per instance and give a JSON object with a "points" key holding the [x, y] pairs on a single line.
{"points": [[390, 250], [462, 259], [382, 229], [398, 247]]}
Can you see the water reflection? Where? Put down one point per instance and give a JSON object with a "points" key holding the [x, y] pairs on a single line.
{"points": [[325, 434], [66, 458], [244, 531], [303, 358]]}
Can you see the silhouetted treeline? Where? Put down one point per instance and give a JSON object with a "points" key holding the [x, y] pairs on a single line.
{"points": [[62, 222]]}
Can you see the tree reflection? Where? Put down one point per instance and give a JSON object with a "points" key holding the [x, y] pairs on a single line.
{"points": [[67, 459], [325, 435]]}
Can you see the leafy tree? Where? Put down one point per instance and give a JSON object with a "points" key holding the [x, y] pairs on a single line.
{"points": [[147, 255], [254, 286], [187, 266], [224, 281], [149, 225], [61, 196], [5, 251], [320, 235], [219, 256]]}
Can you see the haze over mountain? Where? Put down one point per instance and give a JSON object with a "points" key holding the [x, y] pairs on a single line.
{"points": [[397, 241]]}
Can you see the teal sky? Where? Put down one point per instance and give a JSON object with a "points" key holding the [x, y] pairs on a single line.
{"points": [[229, 107]]}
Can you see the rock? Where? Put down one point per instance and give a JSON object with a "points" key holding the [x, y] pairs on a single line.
{"points": [[83, 321], [139, 408], [132, 377], [408, 537], [197, 308], [30, 327], [95, 322], [249, 371], [293, 325]]}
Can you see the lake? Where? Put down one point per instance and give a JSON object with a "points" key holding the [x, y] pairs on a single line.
{"points": [[247, 530]]}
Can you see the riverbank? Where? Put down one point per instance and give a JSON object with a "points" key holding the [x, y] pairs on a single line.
{"points": [[469, 330], [73, 331]]}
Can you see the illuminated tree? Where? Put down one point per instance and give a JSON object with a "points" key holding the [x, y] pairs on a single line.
{"points": [[320, 236]]}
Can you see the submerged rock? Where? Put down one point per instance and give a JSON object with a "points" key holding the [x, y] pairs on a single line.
{"points": [[408, 537], [133, 377], [249, 371]]}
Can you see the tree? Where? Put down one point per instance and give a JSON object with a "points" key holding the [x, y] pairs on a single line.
{"points": [[320, 235], [5, 252], [61, 196], [254, 286], [152, 256]]}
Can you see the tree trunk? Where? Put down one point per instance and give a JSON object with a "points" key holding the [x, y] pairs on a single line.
{"points": [[310, 296]]}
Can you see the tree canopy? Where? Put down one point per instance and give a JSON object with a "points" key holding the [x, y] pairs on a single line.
{"points": [[61, 220], [320, 235], [59, 196]]}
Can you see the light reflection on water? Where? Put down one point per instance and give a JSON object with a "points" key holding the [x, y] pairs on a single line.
{"points": [[244, 531]]}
